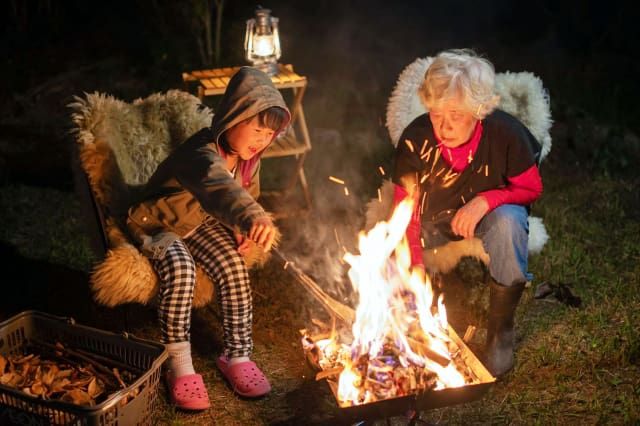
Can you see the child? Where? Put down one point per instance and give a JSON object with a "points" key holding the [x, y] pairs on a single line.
{"points": [[198, 195]]}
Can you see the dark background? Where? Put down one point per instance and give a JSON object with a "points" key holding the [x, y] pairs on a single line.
{"points": [[585, 51]]}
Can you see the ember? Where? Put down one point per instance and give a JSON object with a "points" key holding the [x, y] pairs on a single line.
{"points": [[400, 343]]}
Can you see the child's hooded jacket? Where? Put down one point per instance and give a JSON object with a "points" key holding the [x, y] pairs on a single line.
{"points": [[193, 184]]}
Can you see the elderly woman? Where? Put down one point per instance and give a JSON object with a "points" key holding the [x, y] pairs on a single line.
{"points": [[473, 172]]}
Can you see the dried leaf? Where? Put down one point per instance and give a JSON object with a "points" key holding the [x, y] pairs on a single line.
{"points": [[77, 396], [63, 373], [59, 385], [95, 388], [49, 375], [38, 389]]}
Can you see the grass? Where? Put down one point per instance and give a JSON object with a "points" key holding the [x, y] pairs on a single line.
{"points": [[574, 365]]}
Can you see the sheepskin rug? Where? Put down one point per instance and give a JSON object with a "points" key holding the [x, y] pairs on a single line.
{"points": [[522, 94], [119, 145]]}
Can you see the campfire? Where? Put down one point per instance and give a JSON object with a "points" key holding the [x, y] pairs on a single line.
{"points": [[400, 343]]}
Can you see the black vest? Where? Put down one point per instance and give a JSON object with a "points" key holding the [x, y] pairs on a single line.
{"points": [[506, 149]]}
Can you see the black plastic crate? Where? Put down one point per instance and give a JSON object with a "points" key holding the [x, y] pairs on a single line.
{"points": [[17, 407]]}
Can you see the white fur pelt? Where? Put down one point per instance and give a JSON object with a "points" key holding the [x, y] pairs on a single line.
{"points": [[445, 258], [119, 147], [521, 95], [404, 104]]}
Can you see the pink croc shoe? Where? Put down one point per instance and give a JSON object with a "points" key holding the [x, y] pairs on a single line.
{"points": [[245, 377], [188, 392]]}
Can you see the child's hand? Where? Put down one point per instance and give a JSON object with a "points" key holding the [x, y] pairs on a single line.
{"points": [[263, 232], [243, 244]]}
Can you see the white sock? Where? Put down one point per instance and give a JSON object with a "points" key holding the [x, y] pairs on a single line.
{"points": [[179, 362], [238, 359]]}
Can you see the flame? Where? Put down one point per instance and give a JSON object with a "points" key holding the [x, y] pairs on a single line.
{"points": [[395, 305]]}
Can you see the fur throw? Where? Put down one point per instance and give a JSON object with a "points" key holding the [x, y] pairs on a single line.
{"points": [[119, 145], [521, 95]]}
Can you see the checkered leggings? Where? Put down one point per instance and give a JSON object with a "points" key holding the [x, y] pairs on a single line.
{"points": [[214, 248]]}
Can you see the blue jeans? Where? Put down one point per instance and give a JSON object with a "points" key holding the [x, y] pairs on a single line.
{"points": [[505, 235]]}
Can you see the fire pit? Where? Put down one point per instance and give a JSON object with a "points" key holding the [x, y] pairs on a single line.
{"points": [[414, 402], [400, 355]]}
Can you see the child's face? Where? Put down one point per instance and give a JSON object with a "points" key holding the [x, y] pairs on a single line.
{"points": [[248, 138]]}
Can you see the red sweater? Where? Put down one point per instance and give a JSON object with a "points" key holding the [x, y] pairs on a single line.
{"points": [[522, 189]]}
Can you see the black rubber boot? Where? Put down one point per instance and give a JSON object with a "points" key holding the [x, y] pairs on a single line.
{"points": [[500, 331]]}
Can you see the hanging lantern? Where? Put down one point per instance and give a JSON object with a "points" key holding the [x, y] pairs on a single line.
{"points": [[262, 42]]}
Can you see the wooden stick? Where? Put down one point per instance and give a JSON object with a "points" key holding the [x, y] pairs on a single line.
{"points": [[430, 353], [468, 335], [341, 311], [110, 362], [329, 373]]}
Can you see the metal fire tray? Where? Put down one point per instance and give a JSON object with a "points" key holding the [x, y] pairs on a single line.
{"points": [[424, 400]]}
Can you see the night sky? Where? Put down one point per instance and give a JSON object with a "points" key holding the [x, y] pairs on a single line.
{"points": [[575, 46]]}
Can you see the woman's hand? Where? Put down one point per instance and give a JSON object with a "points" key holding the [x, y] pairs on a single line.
{"points": [[467, 217], [262, 232]]}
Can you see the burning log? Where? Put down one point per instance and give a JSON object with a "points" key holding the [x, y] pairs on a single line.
{"points": [[329, 373]]}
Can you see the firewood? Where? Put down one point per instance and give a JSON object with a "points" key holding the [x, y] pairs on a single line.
{"points": [[329, 373], [428, 352], [469, 333], [110, 362]]}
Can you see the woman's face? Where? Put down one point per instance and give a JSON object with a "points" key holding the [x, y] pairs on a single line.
{"points": [[452, 123], [248, 138]]}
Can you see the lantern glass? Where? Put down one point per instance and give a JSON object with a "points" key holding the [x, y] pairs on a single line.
{"points": [[262, 41]]}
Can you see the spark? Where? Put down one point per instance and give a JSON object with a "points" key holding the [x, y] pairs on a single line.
{"points": [[381, 170], [336, 180], [409, 144], [379, 195], [435, 160], [346, 191], [486, 170], [450, 175], [424, 145]]}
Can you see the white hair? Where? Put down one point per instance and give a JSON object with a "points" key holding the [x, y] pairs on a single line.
{"points": [[460, 73]]}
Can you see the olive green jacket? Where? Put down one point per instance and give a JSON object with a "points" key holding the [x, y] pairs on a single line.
{"points": [[193, 184]]}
